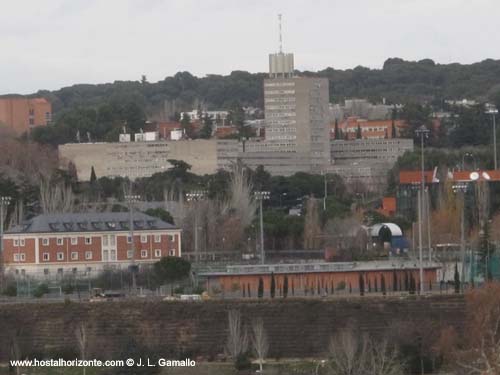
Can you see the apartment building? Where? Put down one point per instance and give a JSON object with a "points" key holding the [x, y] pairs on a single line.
{"points": [[22, 114], [367, 161], [87, 243]]}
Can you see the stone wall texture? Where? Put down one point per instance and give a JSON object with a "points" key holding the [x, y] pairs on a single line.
{"points": [[296, 327]]}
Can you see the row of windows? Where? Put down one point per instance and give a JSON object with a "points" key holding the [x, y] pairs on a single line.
{"points": [[279, 84], [106, 240], [107, 255]]}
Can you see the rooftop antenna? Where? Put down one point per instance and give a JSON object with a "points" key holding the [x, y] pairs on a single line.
{"points": [[281, 36]]}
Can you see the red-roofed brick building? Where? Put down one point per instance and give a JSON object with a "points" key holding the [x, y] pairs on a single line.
{"points": [[370, 129]]}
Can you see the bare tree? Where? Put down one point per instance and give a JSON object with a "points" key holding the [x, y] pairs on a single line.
{"points": [[477, 351], [355, 354], [237, 339], [55, 197], [349, 354], [384, 360], [82, 341], [260, 341], [312, 226]]}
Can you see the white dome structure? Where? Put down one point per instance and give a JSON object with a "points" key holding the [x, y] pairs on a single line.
{"points": [[394, 228]]}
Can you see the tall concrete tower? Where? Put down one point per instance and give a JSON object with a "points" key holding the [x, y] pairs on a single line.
{"points": [[296, 111]]}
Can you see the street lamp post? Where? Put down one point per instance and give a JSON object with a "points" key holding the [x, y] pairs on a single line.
{"points": [[131, 199], [493, 112], [4, 201], [261, 196], [423, 132], [461, 189], [195, 196]]}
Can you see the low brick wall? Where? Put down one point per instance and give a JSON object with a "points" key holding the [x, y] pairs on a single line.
{"points": [[296, 327]]}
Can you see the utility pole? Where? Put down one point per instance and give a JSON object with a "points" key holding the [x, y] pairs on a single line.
{"points": [[260, 196], [4, 201], [422, 131], [326, 192], [491, 110], [131, 199], [195, 196]]}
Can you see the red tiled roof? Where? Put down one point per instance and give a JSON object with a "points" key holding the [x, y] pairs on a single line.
{"points": [[415, 177], [466, 176]]}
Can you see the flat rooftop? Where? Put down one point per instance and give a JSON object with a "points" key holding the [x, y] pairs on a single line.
{"points": [[265, 269]]}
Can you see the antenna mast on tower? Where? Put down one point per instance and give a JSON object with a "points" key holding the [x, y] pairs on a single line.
{"points": [[281, 36]]}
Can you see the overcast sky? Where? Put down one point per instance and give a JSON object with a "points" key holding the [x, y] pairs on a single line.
{"points": [[49, 44]]}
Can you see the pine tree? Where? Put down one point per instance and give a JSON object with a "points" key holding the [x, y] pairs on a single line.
{"points": [[285, 287], [358, 132], [456, 279], [93, 177], [336, 133], [361, 285], [412, 284], [382, 285], [350, 288], [260, 290], [248, 291], [394, 281], [273, 286], [393, 130]]}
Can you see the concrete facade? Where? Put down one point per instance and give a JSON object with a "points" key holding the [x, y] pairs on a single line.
{"points": [[367, 161], [138, 159], [297, 120]]}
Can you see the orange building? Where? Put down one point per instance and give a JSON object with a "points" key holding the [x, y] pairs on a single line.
{"points": [[23, 114], [319, 276], [370, 129]]}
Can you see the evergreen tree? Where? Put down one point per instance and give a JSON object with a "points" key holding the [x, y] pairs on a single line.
{"points": [[382, 285], [350, 288], [285, 287], [206, 130], [376, 285], [337, 133], [93, 177], [394, 281], [369, 286], [407, 282], [412, 284], [318, 285], [248, 291], [293, 288], [260, 290], [273, 286], [359, 134], [361, 285], [456, 279], [393, 130], [244, 291], [486, 250]]}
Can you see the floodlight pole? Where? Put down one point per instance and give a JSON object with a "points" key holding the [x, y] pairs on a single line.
{"points": [[422, 132], [260, 196], [130, 200], [493, 112]]}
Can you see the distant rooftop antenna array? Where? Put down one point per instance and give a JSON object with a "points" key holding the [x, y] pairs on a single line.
{"points": [[280, 63]]}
